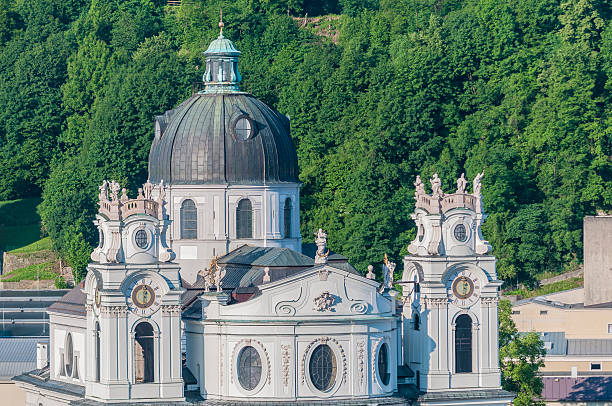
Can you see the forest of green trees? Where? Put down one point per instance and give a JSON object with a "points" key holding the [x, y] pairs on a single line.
{"points": [[377, 92]]}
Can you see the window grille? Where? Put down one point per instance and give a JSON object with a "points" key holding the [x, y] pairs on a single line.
{"points": [[322, 368], [249, 368], [189, 220], [287, 217], [383, 364], [244, 219]]}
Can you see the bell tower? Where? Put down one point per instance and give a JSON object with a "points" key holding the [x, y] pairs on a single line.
{"points": [[133, 301], [450, 290]]}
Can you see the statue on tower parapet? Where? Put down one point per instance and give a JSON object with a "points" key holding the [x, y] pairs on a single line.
{"points": [[449, 224], [114, 219]]}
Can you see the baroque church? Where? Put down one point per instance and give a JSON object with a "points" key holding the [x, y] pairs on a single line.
{"points": [[201, 292]]}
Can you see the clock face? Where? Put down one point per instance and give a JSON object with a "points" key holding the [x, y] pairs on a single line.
{"points": [[144, 297], [463, 288]]}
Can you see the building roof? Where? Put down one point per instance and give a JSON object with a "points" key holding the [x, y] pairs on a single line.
{"points": [[555, 343], [201, 141], [577, 347], [581, 389], [18, 355], [266, 256], [72, 303]]}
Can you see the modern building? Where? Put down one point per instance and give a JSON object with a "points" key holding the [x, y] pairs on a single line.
{"points": [[576, 326], [198, 292]]}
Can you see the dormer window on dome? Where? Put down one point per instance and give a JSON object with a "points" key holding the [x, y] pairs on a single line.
{"points": [[243, 128]]}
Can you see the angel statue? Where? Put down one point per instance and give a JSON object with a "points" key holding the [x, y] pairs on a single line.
{"points": [[219, 274]]}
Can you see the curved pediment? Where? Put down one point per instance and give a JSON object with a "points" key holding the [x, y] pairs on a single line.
{"points": [[319, 292]]}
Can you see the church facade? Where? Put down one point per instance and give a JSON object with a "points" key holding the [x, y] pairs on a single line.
{"points": [[199, 292]]}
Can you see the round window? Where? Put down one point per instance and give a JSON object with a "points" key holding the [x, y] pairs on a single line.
{"points": [[101, 239], [249, 368], [141, 239], [460, 233], [421, 233], [323, 368], [383, 364], [243, 128]]}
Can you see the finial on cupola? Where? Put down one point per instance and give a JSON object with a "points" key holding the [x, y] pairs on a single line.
{"points": [[221, 25]]}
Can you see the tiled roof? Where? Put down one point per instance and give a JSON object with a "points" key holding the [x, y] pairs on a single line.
{"points": [[72, 302], [266, 256], [18, 355], [583, 389]]}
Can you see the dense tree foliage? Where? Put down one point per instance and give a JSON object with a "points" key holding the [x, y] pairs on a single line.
{"points": [[520, 358], [378, 91]]}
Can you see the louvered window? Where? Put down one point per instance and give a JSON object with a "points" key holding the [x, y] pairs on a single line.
{"points": [[463, 344], [287, 217]]}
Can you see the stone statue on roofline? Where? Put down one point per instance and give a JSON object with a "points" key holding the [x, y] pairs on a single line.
{"points": [[147, 189], [462, 184], [321, 243], [103, 196], [477, 185], [419, 188], [388, 268], [436, 186], [114, 188]]}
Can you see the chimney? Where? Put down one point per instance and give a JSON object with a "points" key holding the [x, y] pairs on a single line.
{"points": [[597, 242], [41, 355]]}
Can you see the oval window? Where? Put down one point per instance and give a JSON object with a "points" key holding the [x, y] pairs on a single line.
{"points": [[323, 368], [243, 128], [249, 368], [141, 239], [460, 233], [101, 239], [383, 364]]}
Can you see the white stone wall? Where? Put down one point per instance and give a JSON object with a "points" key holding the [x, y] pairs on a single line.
{"points": [[60, 325], [216, 233], [285, 328]]}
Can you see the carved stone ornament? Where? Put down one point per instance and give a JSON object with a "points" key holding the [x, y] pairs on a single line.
{"points": [[388, 269], [434, 302], [286, 361], [324, 302], [361, 361], [370, 274], [461, 184]]}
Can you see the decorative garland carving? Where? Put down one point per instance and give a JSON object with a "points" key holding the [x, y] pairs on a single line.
{"points": [[434, 302], [323, 340], [285, 361], [375, 344], [489, 301], [113, 311], [247, 342], [361, 361], [173, 310]]}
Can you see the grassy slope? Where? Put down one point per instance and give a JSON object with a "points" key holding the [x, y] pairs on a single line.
{"points": [[31, 273], [571, 283], [19, 223]]}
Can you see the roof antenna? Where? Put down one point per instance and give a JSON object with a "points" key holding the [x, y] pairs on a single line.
{"points": [[221, 25]]}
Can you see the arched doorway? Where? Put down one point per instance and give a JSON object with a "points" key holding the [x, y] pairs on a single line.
{"points": [[144, 355], [463, 344]]}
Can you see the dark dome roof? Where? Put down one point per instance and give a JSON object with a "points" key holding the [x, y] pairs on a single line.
{"points": [[221, 135], [196, 143]]}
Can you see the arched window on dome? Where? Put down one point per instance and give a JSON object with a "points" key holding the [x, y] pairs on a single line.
{"points": [[189, 220], [244, 219], [287, 217], [144, 357], [463, 344]]}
